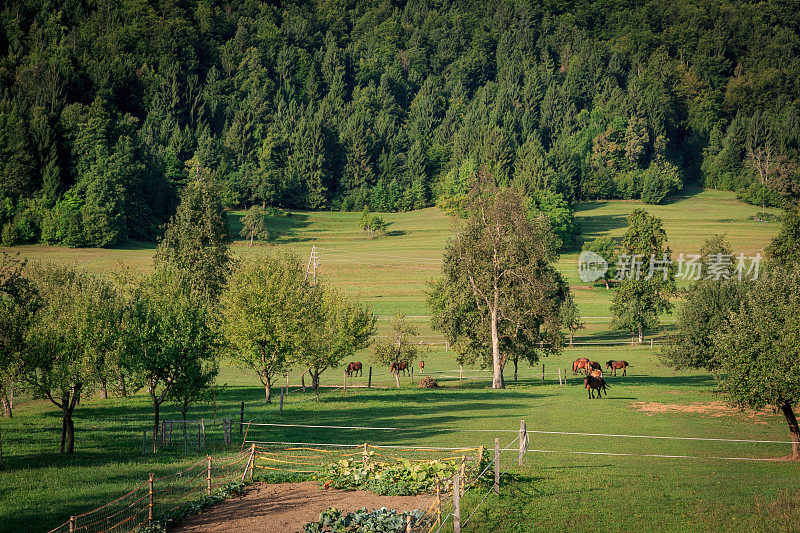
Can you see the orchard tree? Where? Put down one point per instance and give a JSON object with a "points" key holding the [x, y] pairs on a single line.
{"points": [[254, 225], [398, 346], [372, 223], [19, 302], [168, 338], [340, 326], [195, 385], [647, 275], [196, 239], [63, 361], [503, 261], [759, 349], [571, 317], [266, 308]]}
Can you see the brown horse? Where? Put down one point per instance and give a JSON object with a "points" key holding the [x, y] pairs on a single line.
{"points": [[580, 364], [616, 365], [399, 366], [592, 384], [354, 368], [421, 367], [594, 365]]}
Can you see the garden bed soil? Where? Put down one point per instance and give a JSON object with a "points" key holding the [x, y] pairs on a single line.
{"points": [[287, 507]]}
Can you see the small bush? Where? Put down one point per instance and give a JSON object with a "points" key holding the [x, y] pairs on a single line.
{"points": [[428, 383], [763, 217]]}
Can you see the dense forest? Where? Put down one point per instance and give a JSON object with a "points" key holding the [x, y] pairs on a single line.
{"points": [[390, 105]]}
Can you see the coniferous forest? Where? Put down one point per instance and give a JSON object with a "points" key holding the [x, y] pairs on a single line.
{"points": [[389, 105]]}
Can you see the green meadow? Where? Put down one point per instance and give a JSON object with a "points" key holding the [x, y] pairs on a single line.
{"points": [[562, 486]]}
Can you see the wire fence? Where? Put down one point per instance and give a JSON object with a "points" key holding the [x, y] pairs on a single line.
{"points": [[188, 435], [159, 496]]}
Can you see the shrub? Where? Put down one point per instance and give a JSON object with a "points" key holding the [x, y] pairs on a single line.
{"points": [[9, 235], [428, 383]]}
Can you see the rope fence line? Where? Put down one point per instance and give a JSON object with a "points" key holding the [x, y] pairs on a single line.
{"points": [[159, 495], [662, 456], [496, 430]]}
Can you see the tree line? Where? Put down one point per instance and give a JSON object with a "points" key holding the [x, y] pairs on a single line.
{"points": [[384, 104]]}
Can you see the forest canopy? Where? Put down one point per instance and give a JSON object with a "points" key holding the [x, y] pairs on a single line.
{"points": [[345, 104]]}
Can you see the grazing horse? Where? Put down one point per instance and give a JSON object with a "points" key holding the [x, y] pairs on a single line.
{"points": [[592, 384], [580, 364], [399, 366], [594, 365], [421, 367], [354, 368], [616, 365], [596, 373]]}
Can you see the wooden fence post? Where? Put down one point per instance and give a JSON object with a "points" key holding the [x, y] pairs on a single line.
{"points": [[542, 371], [456, 505], [241, 419], [369, 381], [460, 371], [412, 373], [71, 524], [344, 381], [280, 409], [252, 460], [150, 500], [438, 503], [463, 474], [203, 426], [523, 441], [559, 377], [408, 523], [208, 477], [365, 455], [497, 466]]}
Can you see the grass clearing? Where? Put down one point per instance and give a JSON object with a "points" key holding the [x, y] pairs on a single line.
{"points": [[553, 491]]}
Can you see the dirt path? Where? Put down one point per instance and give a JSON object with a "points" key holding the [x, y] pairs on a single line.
{"points": [[287, 507]]}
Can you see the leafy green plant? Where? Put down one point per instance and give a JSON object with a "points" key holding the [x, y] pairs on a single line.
{"points": [[397, 479], [382, 520]]}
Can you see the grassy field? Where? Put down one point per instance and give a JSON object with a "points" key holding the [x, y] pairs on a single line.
{"points": [[553, 491]]}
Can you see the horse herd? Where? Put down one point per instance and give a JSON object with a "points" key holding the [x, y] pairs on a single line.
{"points": [[594, 374], [354, 368], [593, 381]]}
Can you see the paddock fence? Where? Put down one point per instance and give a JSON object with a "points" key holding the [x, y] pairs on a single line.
{"points": [[189, 435], [158, 496]]}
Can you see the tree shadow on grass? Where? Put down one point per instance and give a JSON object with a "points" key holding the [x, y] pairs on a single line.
{"points": [[284, 228]]}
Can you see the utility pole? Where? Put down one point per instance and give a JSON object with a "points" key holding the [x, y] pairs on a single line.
{"points": [[313, 263]]}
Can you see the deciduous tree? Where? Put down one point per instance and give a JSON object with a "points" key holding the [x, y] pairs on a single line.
{"points": [[19, 302], [63, 362], [398, 346], [648, 275], [759, 349], [503, 261], [168, 338], [266, 308]]}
